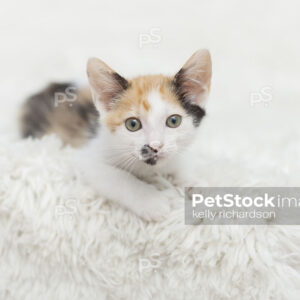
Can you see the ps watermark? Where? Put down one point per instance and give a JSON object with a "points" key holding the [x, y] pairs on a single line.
{"points": [[68, 96], [152, 37], [262, 97], [150, 264], [65, 214], [155, 263]]}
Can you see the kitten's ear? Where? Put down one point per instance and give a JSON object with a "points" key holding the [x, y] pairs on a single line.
{"points": [[105, 84], [192, 82]]}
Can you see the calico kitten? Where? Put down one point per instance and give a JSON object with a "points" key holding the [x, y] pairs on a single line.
{"points": [[135, 129]]}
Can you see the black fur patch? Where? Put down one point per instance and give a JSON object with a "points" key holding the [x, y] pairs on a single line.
{"points": [[149, 155], [73, 118], [37, 109], [192, 109], [121, 80], [89, 114], [151, 161]]}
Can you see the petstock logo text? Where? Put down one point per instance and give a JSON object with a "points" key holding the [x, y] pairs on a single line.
{"points": [[242, 206]]}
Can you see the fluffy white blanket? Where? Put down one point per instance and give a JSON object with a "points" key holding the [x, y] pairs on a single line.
{"points": [[58, 240]]}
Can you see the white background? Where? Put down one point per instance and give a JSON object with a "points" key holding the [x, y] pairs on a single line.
{"points": [[254, 44]]}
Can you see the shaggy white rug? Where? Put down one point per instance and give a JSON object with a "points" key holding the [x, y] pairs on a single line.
{"points": [[58, 240]]}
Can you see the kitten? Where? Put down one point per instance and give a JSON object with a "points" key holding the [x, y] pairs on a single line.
{"points": [[135, 129]]}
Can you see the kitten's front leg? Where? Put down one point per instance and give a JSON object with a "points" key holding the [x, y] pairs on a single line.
{"points": [[124, 188], [183, 173]]}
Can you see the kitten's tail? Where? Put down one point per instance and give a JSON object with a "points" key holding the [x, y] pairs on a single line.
{"points": [[63, 109]]}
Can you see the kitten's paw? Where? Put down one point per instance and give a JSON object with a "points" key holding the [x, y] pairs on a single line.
{"points": [[183, 182], [156, 207]]}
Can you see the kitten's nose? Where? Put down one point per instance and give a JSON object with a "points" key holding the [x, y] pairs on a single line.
{"points": [[155, 146], [151, 149]]}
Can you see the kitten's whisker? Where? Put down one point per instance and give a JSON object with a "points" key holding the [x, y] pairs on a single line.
{"points": [[131, 165], [118, 158], [129, 162]]}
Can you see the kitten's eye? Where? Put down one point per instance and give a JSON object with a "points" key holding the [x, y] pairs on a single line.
{"points": [[174, 121], [133, 124]]}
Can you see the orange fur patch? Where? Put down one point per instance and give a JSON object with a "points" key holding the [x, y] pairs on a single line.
{"points": [[134, 100]]}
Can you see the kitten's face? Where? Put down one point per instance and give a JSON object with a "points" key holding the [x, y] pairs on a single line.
{"points": [[149, 121], [150, 118]]}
